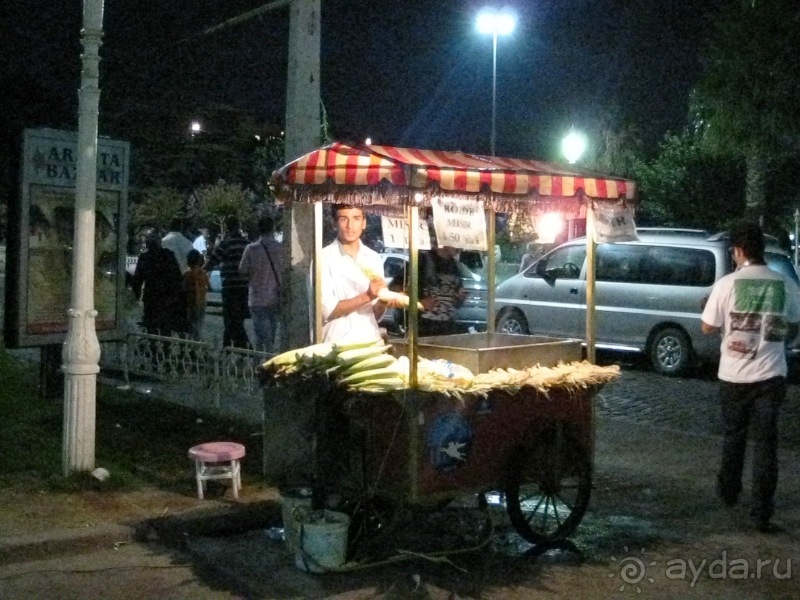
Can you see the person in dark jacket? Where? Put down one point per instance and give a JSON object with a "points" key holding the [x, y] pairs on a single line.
{"points": [[228, 254], [441, 291], [157, 281]]}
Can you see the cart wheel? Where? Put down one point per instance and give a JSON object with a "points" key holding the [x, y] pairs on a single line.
{"points": [[548, 485]]}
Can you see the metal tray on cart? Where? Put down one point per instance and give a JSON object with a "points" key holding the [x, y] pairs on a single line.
{"points": [[481, 352]]}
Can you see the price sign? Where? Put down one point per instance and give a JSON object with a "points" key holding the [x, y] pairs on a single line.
{"points": [[613, 223], [395, 233], [460, 223]]}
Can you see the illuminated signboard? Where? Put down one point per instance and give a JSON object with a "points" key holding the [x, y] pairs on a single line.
{"points": [[38, 291]]}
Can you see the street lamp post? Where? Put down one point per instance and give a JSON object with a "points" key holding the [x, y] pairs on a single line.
{"points": [[81, 349], [495, 23]]}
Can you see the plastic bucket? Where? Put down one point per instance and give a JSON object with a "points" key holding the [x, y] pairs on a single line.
{"points": [[294, 502], [322, 540]]}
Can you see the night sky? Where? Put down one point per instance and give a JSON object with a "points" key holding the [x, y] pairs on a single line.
{"points": [[407, 73]]}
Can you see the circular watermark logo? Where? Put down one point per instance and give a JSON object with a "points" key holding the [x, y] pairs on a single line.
{"points": [[632, 570]]}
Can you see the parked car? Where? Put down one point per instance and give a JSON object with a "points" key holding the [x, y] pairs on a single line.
{"points": [[471, 313], [649, 295]]}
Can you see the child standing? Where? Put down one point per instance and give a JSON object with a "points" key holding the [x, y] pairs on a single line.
{"points": [[195, 282]]}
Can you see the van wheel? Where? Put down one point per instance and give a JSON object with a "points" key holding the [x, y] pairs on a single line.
{"points": [[671, 351], [512, 321]]}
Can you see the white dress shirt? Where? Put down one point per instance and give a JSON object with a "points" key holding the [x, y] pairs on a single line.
{"points": [[342, 279]]}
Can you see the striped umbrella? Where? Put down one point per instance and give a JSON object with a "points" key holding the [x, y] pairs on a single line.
{"points": [[374, 174]]}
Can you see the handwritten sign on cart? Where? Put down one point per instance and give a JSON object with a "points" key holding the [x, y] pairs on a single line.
{"points": [[613, 223], [460, 223], [395, 233]]}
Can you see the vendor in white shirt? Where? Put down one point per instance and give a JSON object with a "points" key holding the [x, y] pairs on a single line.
{"points": [[350, 308]]}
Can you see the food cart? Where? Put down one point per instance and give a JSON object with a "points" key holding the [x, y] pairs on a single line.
{"points": [[524, 425]]}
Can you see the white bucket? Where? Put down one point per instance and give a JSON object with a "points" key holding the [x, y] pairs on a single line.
{"points": [[322, 536], [293, 503]]}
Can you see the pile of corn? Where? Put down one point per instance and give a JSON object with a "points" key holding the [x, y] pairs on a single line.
{"points": [[571, 376], [360, 366], [368, 367]]}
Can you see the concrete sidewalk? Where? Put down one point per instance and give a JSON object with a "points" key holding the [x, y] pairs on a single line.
{"points": [[653, 499]]}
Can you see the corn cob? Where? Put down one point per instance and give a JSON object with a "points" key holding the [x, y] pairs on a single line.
{"points": [[351, 357], [377, 386], [291, 357], [374, 362], [339, 347], [369, 273], [384, 373], [385, 294]]}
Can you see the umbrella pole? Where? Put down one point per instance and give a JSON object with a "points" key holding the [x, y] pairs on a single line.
{"points": [[413, 295], [491, 271], [317, 273], [591, 251]]}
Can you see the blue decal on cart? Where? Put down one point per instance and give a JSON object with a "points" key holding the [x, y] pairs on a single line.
{"points": [[449, 441]]}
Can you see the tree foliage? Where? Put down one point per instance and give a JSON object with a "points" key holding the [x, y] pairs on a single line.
{"points": [[745, 103], [685, 186], [157, 207], [216, 202]]}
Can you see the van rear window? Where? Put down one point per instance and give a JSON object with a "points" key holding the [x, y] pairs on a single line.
{"points": [[659, 265]]}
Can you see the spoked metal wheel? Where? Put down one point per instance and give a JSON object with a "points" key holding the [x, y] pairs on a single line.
{"points": [[548, 485]]}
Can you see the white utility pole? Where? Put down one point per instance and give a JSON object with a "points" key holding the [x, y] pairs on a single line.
{"points": [[302, 134], [81, 351]]}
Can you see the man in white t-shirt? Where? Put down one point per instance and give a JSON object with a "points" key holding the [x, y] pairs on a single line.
{"points": [[757, 311], [351, 280]]}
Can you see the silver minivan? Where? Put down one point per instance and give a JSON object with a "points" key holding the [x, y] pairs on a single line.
{"points": [[649, 294]]}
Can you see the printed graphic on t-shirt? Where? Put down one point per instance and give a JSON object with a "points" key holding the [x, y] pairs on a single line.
{"points": [[759, 305], [745, 322], [775, 328], [759, 296]]}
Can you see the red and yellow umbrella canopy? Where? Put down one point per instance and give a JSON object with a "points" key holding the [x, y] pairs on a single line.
{"points": [[373, 175]]}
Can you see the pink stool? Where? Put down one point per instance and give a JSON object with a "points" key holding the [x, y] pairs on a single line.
{"points": [[217, 460]]}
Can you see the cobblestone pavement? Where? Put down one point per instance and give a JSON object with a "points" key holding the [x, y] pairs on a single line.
{"points": [[686, 404]]}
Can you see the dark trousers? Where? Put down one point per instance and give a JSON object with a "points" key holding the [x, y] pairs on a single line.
{"points": [[234, 312], [757, 405]]}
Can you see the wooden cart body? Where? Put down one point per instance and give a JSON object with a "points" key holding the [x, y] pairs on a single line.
{"points": [[421, 447]]}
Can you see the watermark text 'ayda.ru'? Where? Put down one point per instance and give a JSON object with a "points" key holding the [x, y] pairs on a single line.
{"points": [[725, 568], [635, 570]]}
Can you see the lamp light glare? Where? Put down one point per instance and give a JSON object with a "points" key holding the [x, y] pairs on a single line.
{"points": [[548, 226], [195, 127], [368, 141], [418, 197], [573, 146], [496, 23]]}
